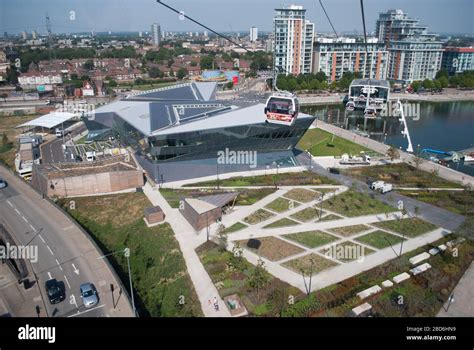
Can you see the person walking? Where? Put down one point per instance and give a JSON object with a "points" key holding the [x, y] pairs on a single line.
{"points": [[216, 304]]}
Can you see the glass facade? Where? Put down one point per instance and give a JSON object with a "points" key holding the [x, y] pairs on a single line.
{"points": [[206, 143]]}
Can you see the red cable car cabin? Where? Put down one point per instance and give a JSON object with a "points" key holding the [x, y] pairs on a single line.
{"points": [[282, 110]]}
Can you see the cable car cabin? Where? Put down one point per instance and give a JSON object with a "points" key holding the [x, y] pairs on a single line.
{"points": [[282, 110], [350, 106], [370, 112]]}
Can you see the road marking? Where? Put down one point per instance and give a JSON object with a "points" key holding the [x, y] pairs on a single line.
{"points": [[17, 211], [25, 219], [49, 275], [32, 227], [10, 204], [72, 300], [67, 281], [60, 267], [42, 239], [50, 250], [76, 271], [83, 312]]}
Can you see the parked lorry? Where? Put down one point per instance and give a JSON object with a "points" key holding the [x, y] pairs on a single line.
{"points": [[386, 188]]}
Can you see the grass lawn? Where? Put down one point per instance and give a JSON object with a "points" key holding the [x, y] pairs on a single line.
{"points": [[312, 239], [307, 214], [352, 203], [460, 202], [286, 179], [273, 249], [302, 195], [158, 268], [235, 227], [7, 127], [347, 251], [329, 217], [231, 278], [410, 227], [281, 223], [379, 239], [259, 216], [400, 174], [311, 263], [349, 230], [322, 143], [424, 294], [281, 205], [246, 196]]}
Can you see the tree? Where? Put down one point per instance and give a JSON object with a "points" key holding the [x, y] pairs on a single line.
{"points": [[437, 84], [393, 153], [416, 85], [112, 83], [442, 73], [236, 261], [428, 84], [444, 82], [229, 85], [207, 62], [182, 73], [88, 65], [154, 72], [259, 277], [221, 238], [321, 76]]}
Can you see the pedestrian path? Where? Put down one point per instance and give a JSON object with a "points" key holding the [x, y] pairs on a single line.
{"points": [[188, 242]]}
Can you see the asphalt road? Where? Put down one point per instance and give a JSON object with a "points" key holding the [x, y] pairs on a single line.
{"points": [[63, 252]]}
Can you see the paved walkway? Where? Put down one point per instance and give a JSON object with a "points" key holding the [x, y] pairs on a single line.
{"points": [[462, 304], [188, 242]]}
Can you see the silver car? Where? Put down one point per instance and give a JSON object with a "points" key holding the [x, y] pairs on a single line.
{"points": [[89, 295], [3, 183]]}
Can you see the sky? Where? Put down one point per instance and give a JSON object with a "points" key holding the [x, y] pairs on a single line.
{"points": [[442, 16]]}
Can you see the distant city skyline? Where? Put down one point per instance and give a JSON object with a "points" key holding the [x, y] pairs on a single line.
{"points": [[444, 16]]}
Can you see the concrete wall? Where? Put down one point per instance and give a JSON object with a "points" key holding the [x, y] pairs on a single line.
{"points": [[89, 184]]}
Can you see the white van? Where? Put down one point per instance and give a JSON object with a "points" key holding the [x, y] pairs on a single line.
{"points": [[59, 132], [386, 188], [90, 156]]}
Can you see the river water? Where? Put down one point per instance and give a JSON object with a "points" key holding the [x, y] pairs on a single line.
{"points": [[444, 126]]}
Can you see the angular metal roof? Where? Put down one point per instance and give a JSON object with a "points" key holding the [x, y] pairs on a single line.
{"points": [[50, 120]]}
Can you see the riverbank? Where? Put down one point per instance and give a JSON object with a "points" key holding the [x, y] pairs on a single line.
{"points": [[448, 95], [430, 167]]}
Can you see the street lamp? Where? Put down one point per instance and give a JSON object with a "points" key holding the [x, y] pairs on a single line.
{"points": [[126, 253], [310, 159]]}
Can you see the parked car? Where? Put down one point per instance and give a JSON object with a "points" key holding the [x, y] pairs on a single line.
{"points": [[55, 290], [3, 183], [334, 171], [89, 294]]}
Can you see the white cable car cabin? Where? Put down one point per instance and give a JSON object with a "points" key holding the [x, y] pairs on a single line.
{"points": [[282, 109]]}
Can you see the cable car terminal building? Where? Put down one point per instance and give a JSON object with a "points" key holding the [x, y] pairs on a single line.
{"points": [[181, 132]]}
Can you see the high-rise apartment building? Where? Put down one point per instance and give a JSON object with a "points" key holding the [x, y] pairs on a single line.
{"points": [[334, 57], [253, 34], [155, 34], [458, 59], [293, 41], [414, 54]]}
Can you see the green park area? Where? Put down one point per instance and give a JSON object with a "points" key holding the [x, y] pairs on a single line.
{"points": [[322, 143], [158, 269], [409, 227], [400, 174], [312, 239], [260, 292], [8, 134], [352, 203], [304, 178], [246, 196], [425, 294]]}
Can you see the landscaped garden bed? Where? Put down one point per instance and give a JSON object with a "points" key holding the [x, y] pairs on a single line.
{"points": [[312, 239], [410, 227], [348, 231], [379, 239], [259, 216], [310, 264], [273, 249]]}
